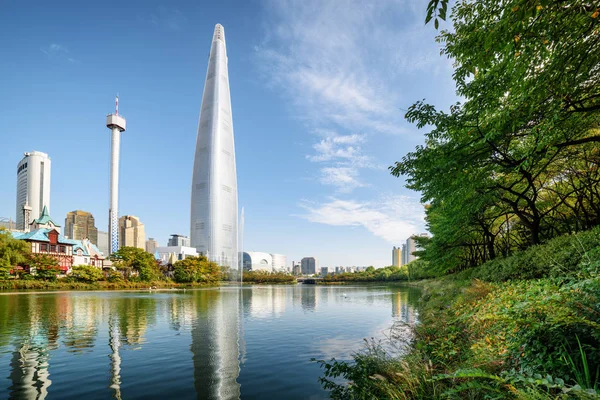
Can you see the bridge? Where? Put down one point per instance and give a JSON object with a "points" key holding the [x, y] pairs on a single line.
{"points": [[309, 281]]}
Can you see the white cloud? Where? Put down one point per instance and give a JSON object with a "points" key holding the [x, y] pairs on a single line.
{"points": [[393, 219], [343, 66], [343, 178], [335, 147]]}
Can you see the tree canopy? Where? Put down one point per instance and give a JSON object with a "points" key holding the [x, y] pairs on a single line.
{"points": [[516, 162]]}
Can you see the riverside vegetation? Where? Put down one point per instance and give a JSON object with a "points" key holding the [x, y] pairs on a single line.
{"points": [[510, 180], [133, 268]]}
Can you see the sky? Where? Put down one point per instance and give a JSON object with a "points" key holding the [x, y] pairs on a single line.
{"points": [[319, 89]]}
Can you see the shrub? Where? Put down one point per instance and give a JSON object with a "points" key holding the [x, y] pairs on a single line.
{"points": [[559, 257], [267, 277], [87, 273], [196, 270]]}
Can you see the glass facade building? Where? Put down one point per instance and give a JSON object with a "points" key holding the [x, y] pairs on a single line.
{"points": [[214, 199]]}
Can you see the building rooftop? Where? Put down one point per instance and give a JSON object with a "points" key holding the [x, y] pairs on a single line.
{"points": [[45, 218], [41, 235]]}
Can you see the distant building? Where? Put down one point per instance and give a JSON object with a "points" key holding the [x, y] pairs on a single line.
{"points": [[171, 254], [179, 240], [296, 269], [131, 232], [103, 242], [309, 265], [80, 225], [151, 245], [33, 186], [324, 271], [409, 248], [279, 262], [396, 256], [257, 261]]}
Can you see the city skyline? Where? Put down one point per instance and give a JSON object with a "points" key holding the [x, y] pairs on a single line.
{"points": [[297, 142]]}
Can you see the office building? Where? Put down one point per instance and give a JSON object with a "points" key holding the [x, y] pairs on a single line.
{"points": [[33, 186], [214, 199], [396, 256], [80, 225], [131, 232], [309, 265], [179, 240], [103, 243], [151, 245], [409, 248]]}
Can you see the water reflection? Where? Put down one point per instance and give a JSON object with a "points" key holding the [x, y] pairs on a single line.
{"points": [[206, 344], [215, 344]]}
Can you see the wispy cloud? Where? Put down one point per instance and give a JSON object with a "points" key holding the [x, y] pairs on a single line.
{"points": [[345, 179], [55, 51], [340, 65], [393, 219], [54, 48]]}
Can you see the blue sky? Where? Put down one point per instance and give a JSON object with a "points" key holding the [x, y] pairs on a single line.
{"points": [[318, 91]]}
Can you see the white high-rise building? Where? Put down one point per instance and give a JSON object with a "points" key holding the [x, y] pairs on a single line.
{"points": [[33, 186], [214, 200]]}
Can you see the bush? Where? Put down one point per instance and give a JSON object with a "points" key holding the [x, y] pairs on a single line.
{"points": [[196, 270], [558, 257], [87, 273], [267, 277]]}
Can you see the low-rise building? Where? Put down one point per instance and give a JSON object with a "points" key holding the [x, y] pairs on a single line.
{"points": [[171, 254], [44, 236], [87, 253]]}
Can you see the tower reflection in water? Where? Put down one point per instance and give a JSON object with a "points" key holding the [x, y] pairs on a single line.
{"points": [[215, 344]]}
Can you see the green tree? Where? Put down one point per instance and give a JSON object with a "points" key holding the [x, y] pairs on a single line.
{"points": [[87, 273], [515, 163], [44, 267], [13, 252], [132, 260], [196, 269]]}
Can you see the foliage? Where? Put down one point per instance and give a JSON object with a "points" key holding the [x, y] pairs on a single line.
{"points": [[196, 269], [561, 257], [43, 266], [13, 252], [87, 273], [267, 277], [514, 164], [417, 269], [478, 340], [134, 261]]}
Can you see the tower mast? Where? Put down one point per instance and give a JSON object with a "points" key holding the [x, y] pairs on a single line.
{"points": [[116, 124]]}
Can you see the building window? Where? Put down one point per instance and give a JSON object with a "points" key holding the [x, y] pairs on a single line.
{"points": [[53, 248], [43, 247], [63, 249]]}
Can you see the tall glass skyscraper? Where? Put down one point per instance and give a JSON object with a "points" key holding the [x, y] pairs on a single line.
{"points": [[213, 222]]}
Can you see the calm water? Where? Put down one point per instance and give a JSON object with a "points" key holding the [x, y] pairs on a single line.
{"points": [[252, 343]]}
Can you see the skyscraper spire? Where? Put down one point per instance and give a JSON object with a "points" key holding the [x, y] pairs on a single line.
{"points": [[214, 199]]}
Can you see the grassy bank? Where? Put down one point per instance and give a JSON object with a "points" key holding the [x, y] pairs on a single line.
{"points": [[503, 337], [16, 284]]}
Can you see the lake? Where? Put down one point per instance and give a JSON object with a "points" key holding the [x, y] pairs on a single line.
{"points": [[219, 343]]}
